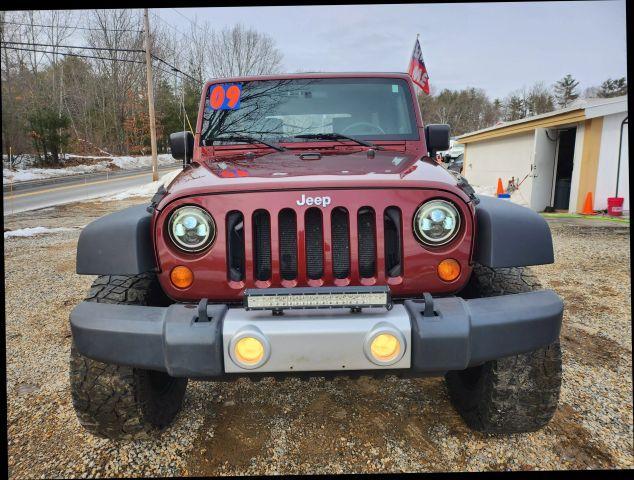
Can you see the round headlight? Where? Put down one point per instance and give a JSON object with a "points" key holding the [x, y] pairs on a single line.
{"points": [[436, 222], [191, 228]]}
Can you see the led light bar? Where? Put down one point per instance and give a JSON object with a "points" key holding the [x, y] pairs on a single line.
{"points": [[278, 299]]}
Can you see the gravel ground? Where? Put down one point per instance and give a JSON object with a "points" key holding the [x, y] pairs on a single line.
{"points": [[316, 426]]}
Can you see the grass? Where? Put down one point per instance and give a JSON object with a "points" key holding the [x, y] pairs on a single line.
{"points": [[587, 217]]}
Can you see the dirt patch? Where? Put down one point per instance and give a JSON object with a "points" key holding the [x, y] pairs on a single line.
{"points": [[576, 444], [239, 436], [73, 162], [593, 349]]}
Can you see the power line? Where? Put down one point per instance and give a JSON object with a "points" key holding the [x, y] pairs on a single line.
{"points": [[174, 68], [190, 21], [71, 27], [76, 46], [157, 16], [68, 54], [132, 50]]}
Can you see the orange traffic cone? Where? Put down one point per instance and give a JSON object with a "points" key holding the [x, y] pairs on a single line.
{"points": [[587, 207], [500, 187]]}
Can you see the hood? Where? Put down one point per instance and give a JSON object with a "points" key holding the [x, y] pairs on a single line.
{"points": [[293, 170], [295, 163]]}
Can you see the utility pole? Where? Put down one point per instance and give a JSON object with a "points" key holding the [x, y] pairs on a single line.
{"points": [[150, 96]]}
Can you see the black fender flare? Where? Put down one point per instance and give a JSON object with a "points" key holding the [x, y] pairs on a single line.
{"points": [[119, 243], [509, 235]]}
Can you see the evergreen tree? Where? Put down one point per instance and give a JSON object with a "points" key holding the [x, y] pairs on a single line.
{"points": [[613, 88], [566, 91], [49, 133], [515, 108]]}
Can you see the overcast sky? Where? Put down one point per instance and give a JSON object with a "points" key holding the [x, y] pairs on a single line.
{"points": [[495, 46]]}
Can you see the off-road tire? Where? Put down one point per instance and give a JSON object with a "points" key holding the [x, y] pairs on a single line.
{"points": [[120, 402], [511, 394]]}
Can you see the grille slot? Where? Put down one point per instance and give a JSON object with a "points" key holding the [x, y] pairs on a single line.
{"points": [[366, 227], [393, 242], [340, 231], [262, 244], [287, 222], [314, 243], [235, 246]]}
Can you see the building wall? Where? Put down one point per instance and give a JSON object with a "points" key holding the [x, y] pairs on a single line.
{"points": [[608, 158], [544, 161], [589, 164], [502, 157]]}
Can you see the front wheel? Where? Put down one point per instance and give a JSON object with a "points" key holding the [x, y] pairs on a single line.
{"points": [[120, 402], [511, 394]]}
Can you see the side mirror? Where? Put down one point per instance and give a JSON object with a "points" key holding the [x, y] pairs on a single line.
{"points": [[447, 157], [182, 146], [437, 138]]}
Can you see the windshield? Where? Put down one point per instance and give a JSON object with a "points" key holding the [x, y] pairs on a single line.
{"points": [[280, 110]]}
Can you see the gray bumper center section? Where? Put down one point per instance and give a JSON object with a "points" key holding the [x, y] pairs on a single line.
{"points": [[461, 333]]}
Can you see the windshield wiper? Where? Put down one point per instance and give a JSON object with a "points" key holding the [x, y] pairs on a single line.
{"points": [[249, 139], [338, 136]]}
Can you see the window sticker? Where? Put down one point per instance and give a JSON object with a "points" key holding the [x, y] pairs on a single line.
{"points": [[225, 96], [394, 88]]}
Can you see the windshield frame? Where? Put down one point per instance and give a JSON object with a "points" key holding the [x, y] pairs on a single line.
{"points": [[413, 107]]}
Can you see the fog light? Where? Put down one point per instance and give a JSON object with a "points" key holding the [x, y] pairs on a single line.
{"points": [[448, 270], [249, 348], [384, 344], [181, 276], [385, 347]]}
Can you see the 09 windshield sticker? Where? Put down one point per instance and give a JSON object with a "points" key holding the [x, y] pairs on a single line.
{"points": [[225, 96]]}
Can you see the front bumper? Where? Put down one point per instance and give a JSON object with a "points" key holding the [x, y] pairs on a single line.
{"points": [[458, 334]]}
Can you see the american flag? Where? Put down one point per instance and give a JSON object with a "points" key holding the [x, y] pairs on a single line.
{"points": [[417, 69]]}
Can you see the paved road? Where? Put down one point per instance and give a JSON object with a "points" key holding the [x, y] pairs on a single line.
{"points": [[40, 194]]}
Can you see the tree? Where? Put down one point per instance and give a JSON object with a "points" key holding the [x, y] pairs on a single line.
{"points": [[117, 30], [240, 51], [49, 132], [566, 91], [514, 108], [613, 88], [539, 100], [465, 110]]}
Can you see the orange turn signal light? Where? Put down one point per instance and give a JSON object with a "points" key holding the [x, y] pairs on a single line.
{"points": [[181, 277], [448, 270]]}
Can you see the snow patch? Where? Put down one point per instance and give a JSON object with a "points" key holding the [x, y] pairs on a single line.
{"points": [[146, 190], [22, 175], [23, 170], [491, 191], [32, 231], [139, 162], [484, 190]]}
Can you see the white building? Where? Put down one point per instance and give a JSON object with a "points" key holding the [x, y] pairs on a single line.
{"points": [[557, 157]]}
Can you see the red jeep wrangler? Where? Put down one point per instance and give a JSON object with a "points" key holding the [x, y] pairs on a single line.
{"points": [[311, 232]]}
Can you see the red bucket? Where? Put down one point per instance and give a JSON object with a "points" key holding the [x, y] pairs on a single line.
{"points": [[615, 206]]}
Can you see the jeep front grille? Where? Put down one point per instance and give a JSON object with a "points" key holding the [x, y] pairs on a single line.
{"points": [[315, 246]]}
